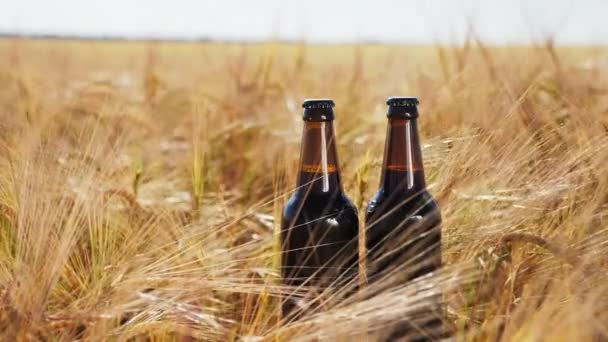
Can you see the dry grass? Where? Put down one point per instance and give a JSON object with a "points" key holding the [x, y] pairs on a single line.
{"points": [[140, 186]]}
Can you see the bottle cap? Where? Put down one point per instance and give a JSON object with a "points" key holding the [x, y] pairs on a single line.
{"points": [[405, 107], [318, 109]]}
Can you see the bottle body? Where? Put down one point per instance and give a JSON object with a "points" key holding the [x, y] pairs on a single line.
{"points": [[319, 243], [404, 234], [403, 243]]}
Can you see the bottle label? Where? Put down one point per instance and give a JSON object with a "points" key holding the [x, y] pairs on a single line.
{"points": [[403, 167], [317, 168]]}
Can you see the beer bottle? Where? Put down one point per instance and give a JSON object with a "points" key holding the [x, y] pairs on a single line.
{"points": [[319, 226], [403, 234]]}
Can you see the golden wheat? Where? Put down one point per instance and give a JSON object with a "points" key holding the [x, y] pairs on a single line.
{"points": [[141, 186]]}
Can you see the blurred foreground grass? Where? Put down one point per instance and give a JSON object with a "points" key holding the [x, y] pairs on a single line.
{"points": [[141, 183]]}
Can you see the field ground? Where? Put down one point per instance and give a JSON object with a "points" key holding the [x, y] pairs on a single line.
{"points": [[141, 185]]}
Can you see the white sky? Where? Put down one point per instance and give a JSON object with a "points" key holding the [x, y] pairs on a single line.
{"points": [[496, 21]]}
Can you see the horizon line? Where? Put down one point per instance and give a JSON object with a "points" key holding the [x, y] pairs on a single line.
{"points": [[232, 40]]}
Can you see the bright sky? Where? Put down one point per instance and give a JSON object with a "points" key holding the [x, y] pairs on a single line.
{"points": [[496, 21]]}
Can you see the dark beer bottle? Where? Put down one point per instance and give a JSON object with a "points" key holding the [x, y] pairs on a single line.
{"points": [[403, 234], [319, 227]]}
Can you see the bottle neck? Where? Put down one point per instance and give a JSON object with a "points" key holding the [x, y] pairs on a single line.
{"points": [[319, 171], [402, 169]]}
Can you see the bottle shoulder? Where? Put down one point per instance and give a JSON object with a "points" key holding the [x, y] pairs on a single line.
{"points": [[301, 203], [421, 201]]}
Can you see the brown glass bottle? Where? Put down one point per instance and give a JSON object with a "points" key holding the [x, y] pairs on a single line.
{"points": [[319, 226], [403, 221]]}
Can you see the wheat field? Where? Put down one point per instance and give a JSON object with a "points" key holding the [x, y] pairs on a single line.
{"points": [[141, 186]]}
